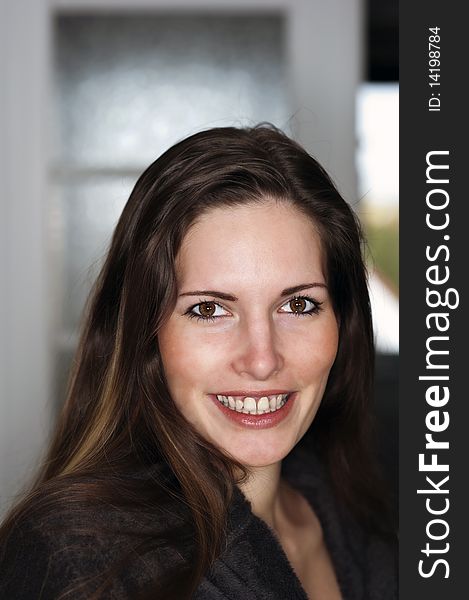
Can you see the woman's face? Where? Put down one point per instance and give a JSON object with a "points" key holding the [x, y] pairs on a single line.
{"points": [[248, 348]]}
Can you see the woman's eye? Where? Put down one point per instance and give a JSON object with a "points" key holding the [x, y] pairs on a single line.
{"points": [[301, 306], [207, 310]]}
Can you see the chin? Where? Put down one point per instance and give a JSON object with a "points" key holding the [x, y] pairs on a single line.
{"points": [[251, 455]]}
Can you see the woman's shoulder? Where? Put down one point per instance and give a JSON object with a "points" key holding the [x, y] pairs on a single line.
{"points": [[363, 555], [86, 547], [39, 556]]}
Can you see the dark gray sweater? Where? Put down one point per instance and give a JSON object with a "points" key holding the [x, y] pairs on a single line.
{"points": [[42, 558]]}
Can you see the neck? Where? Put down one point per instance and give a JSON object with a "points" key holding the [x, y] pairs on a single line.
{"points": [[263, 489]]}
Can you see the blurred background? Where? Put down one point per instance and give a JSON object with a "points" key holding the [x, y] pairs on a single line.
{"points": [[92, 91]]}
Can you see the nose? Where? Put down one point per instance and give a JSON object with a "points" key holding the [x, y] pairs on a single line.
{"points": [[257, 355]]}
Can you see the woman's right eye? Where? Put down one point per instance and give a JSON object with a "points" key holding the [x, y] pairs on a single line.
{"points": [[207, 311]]}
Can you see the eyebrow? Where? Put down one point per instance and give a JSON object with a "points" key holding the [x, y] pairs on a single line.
{"points": [[231, 298], [303, 286]]}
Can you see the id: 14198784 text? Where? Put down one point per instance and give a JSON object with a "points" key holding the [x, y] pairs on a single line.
{"points": [[434, 68]]}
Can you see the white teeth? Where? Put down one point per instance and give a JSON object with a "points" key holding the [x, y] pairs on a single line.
{"points": [[248, 405]]}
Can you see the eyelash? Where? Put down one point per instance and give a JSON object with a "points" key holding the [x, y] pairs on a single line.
{"points": [[314, 311], [193, 315]]}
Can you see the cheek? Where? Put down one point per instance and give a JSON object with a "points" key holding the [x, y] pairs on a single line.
{"points": [[316, 352], [186, 358], [174, 354]]}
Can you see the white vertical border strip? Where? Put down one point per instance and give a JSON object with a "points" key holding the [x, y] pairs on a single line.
{"points": [[326, 49], [25, 403]]}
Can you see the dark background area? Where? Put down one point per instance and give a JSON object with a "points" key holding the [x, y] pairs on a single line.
{"points": [[382, 36]]}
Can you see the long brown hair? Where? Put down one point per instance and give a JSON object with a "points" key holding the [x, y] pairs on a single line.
{"points": [[119, 417]]}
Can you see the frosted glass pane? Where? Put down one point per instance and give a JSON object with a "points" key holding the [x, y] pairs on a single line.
{"points": [[85, 216], [129, 87]]}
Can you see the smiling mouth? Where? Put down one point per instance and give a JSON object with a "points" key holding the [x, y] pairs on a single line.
{"points": [[250, 405]]}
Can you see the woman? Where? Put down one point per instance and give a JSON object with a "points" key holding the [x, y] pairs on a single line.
{"points": [[214, 443]]}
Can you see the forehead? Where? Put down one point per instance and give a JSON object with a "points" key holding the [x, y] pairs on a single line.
{"points": [[255, 244]]}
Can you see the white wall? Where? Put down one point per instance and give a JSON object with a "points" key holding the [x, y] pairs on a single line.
{"points": [[24, 345]]}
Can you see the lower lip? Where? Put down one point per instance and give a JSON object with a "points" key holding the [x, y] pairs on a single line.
{"points": [[264, 421]]}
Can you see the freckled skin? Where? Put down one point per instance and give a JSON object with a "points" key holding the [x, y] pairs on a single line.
{"points": [[252, 252]]}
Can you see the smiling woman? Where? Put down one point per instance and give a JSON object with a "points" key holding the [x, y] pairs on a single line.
{"points": [[249, 353], [215, 439]]}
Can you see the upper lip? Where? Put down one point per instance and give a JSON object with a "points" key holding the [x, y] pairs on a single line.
{"points": [[251, 393]]}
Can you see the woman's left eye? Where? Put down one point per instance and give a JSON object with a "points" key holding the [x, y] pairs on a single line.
{"points": [[207, 311], [301, 305]]}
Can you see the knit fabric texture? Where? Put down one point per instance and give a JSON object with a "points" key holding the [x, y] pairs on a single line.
{"points": [[42, 557]]}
